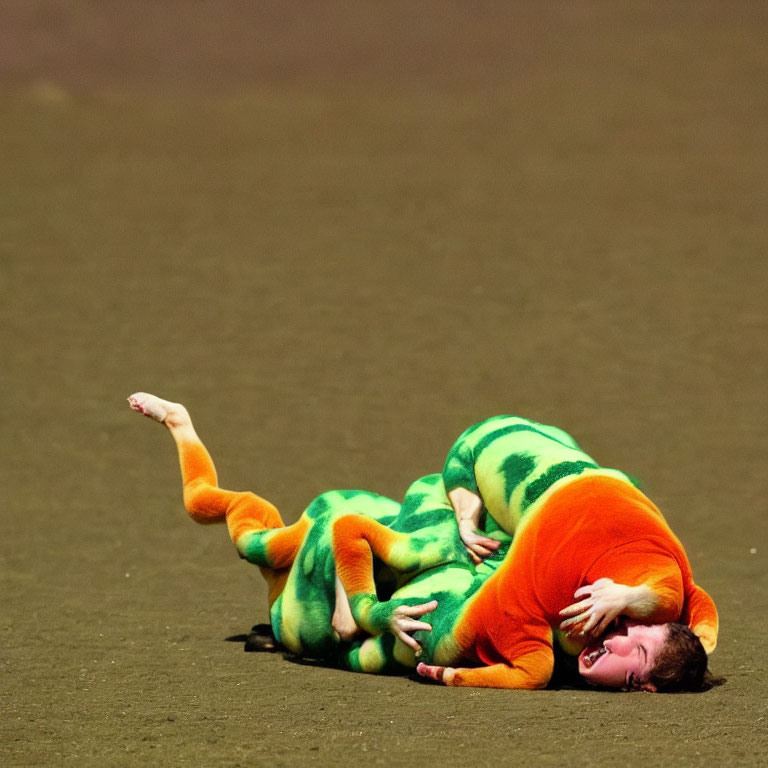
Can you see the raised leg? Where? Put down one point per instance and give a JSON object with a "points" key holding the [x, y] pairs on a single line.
{"points": [[254, 524], [204, 501]]}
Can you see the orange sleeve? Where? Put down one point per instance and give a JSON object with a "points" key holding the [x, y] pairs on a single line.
{"points": [[700, 615], [531, 671], [657, 570]]}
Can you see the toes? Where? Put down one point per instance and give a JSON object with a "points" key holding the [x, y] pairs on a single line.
{"points": [[135, 404], [149, 405]]}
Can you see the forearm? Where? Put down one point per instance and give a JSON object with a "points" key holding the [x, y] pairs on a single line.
{"points": [[648, 586], [370, 614], [467, 505], [655, 604], [659, 598], [529, 673], [642, 603], [652, 602], [355, 540]]}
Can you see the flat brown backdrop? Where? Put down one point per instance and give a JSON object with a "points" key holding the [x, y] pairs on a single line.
{"points": [[341, 233]]}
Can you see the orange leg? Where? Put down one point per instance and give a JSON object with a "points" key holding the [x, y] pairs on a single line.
{"points": [[254, 524]]}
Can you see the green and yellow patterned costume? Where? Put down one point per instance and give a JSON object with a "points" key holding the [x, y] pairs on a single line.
{"points": [[388, 555], [431, 560], [511, 462]]}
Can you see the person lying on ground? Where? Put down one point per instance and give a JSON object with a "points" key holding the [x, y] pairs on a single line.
{"points": [[309, 611], [503, 465], [579, 530], [302, 591]]}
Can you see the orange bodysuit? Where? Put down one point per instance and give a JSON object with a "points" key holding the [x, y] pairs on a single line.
{"points": [[585, 529], [572, 522]]}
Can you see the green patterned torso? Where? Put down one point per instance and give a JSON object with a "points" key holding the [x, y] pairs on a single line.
{"points": [[511, 463]]}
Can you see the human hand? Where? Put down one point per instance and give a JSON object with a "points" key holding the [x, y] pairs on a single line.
{"points": [[468, 507], [438, 674], [477, 545], [404, 620], [599, 604]]}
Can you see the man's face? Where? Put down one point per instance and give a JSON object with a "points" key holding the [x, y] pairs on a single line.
{"points": [[625, 656]]}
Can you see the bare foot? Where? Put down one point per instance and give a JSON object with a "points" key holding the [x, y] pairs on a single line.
{"points": [[171, 414]]}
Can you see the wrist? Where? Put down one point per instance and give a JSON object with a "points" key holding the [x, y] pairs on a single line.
{"points": [[370, 615], [641, 602]]}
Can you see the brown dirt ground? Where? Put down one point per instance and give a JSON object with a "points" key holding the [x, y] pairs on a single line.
{"points": [[341, 234]]}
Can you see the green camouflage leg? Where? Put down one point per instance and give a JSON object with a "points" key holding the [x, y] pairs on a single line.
{"points": [[380, 655]]}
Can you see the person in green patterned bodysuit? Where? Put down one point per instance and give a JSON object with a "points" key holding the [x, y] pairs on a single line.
{"points": [[503, 464], [309, 613], [391, 558], [498, 468]]}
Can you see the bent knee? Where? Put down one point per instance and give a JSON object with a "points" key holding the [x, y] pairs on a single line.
{"points": [[261, 511], [203, 502], [347, 527]]}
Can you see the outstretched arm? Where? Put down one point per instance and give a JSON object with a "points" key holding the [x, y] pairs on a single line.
{"points": [[531, 671]]}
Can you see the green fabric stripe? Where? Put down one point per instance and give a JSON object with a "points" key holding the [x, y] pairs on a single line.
{"points": [[551, 476]]}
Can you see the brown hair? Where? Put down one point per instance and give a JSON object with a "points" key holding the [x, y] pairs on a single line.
{"points": [[681, 665]]}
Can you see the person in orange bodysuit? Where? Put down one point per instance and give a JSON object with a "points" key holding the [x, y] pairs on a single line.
{"points": [[507, 627], [578, 529]]}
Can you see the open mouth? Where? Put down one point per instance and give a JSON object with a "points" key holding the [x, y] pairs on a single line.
{"points": [[593, 653], [589, 656]]}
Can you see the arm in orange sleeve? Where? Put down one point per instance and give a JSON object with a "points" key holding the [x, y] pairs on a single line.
{"points": [[700, 614], [356, 539], [530, 671], [664, 592], [659, 575]]}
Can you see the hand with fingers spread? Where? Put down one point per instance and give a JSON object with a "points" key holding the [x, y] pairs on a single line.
{"points": [[599, 604], [405, 620]]}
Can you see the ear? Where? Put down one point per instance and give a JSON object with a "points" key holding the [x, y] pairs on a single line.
{"points": [[649, 687]]}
